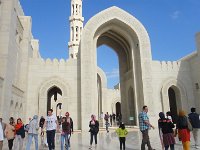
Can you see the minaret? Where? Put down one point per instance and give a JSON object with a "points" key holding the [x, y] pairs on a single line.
{"points": [[76, 27]]}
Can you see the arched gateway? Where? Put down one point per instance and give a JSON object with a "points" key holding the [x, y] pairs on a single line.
{"points": [[127, 36]]}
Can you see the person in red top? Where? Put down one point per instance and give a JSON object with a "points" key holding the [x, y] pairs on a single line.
{"points": [[183, 129], [20, 134]]}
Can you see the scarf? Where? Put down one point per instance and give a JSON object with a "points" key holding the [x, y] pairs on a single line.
{"points": [[18, 126]]}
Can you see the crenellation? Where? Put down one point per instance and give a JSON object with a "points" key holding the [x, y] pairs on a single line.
{"points": [[169, 65], [82, 82]]}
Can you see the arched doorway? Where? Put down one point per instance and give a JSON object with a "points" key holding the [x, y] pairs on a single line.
{"points": [[118, 108], [52, 100], [129, 39], [174, 95]]}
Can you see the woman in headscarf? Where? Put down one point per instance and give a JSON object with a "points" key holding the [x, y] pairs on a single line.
{"points": [[94, 129], [166, 132], [33, 132], [183, 130], [20, 135]]}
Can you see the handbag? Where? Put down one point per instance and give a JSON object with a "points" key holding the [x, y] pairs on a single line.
{"points": [[189, 125]]}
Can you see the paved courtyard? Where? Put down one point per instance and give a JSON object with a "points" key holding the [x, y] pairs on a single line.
{"points": [[109, 141]]}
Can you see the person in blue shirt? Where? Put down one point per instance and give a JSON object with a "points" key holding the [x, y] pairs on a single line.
{"points": [[144, 128]]}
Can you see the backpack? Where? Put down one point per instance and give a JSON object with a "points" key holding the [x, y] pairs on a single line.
{"points": [[26, 127]]}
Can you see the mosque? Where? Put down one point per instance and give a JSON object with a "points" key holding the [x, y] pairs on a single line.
{"points": [[31, 85]]}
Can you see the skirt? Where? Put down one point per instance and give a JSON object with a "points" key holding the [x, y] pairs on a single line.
{"points": [[168, 139], [184, 135]]}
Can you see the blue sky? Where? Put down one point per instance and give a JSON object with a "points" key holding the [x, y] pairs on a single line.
{"points": [[171, 25]]}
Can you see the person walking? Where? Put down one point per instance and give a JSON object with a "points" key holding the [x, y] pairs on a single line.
{"points": [[41, 125], [2, 130], [106, 117], [19, 135], [94, 129], [111, 119], [122, 133], [51, 124], [33, 132], [70, 121], [183, 126], [144, 128], [10, 132], [113, 116], [195, 121], [166, 132], [65, 133]]}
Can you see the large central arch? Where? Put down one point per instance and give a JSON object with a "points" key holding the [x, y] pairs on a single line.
{"points": [[127, 36]]}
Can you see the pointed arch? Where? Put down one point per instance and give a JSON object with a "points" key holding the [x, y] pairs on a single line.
{"points": [[44, 89], [128, 37], [179, 89]]}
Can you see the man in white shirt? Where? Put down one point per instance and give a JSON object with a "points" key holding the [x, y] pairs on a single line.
{"points": [[2, 129], [51, 125]]}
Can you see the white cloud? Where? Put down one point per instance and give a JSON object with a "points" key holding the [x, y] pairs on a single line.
{"points": [[113, 74], [175, 15]]}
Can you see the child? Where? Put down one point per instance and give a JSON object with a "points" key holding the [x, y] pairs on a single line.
{"points": [[122, 133]]}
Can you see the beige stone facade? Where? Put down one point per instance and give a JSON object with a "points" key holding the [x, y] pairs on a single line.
{"points": [[30, 85]]}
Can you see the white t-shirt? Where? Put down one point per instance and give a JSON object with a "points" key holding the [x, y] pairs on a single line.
{"points": [[1, 133], [51, 122]]}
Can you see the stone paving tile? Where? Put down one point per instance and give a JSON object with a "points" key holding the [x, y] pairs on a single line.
{"points": [[109, 141]]}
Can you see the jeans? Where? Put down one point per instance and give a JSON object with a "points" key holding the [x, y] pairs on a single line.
{"points": [[122, 142], [1, 145], [64, 141], [171, 147], [10, 144], [91, 138], [30, 137], [145, 140], [51, 139], [18, 142]]}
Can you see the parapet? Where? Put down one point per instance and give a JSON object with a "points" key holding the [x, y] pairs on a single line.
{"points": [[198, 41], [170, 65]]}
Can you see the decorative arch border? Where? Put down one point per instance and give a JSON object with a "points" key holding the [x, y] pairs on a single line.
{"points": [[45, 86], [171, 81], [131, 29], [114, 101], [103, 77]]}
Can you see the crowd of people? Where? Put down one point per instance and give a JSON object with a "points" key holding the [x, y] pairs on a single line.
{"points": [[15, 132]]}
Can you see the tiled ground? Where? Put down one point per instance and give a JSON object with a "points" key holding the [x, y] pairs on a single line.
{"points": [[109, 141]]}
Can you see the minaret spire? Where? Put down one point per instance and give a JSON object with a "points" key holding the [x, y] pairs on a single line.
{"points": [[76, 26]]}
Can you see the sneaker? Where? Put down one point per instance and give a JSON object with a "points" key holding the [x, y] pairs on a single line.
{"points": [[90, 147], [197, 147], [95, 145]]}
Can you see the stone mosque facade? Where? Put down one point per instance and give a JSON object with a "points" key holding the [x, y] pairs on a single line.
{"points": [[31, 85]]}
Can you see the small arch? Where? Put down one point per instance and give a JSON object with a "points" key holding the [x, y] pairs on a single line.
{"points": [[54, 82], [178, 88]]}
